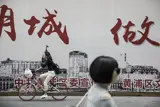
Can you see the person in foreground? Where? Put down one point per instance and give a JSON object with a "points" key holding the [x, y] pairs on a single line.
{"points": [[52, 71], [103, 71]]}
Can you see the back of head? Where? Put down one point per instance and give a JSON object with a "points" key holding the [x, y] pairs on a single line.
{"points": [[103, 68], [48, 55]]}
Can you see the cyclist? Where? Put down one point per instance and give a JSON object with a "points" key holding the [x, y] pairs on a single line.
{"points": [[52, 70]]}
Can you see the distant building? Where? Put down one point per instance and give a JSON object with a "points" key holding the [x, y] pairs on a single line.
{"points": [[6, 83], [143, 72], [16, 68], [78, 64]]}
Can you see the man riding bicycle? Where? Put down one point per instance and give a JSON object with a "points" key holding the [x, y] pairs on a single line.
{"points": [[52, 70]]}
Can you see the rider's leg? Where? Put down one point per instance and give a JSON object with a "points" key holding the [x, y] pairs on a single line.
{"points": [[46, 81], [43, 77]]}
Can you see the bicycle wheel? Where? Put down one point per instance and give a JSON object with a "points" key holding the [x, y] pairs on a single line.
{"points": [[29, 92], [60, 91]]}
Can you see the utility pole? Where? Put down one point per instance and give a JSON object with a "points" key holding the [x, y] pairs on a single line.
{"points": [[128, 69]]}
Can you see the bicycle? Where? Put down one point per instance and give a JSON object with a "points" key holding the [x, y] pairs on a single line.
{"points": [[56, 87]]}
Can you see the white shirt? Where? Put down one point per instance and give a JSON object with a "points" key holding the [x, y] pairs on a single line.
{"points": [[99, 96]]}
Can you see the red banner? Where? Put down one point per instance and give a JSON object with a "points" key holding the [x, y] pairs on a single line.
{"points": [[86, 83]]}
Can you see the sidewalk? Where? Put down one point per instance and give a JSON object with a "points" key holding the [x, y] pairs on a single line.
{"points": [[148, 94]]}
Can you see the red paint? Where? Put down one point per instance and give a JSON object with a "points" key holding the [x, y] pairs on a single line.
{"points": [[146, 27], [7, 21], [129, 35], [50, 22], [74, 82], [84, 83], [148, 84], [63, 80], [127, 83], [115, 30], [32, 22], [157, 84], [138, 83], [18, 82], [54, 80], [28, 81]]}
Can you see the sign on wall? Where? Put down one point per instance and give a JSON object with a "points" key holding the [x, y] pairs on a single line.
{"points": [[79, 31]]}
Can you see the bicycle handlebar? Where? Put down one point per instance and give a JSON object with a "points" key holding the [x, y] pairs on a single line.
{"points": [[38, 69]]}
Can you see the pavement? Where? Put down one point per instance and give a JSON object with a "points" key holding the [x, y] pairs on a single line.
{"points": [[127, 101]]}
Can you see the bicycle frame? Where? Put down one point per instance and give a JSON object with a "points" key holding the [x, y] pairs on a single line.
{"points": [[53, 87], [36, 82]]}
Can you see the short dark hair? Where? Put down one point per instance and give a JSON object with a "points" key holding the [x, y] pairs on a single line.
{"points": [[102, 68]]}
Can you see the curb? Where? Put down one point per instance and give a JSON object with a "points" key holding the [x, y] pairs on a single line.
{"points": [[148, 94]]}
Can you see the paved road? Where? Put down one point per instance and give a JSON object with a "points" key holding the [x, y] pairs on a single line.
{"points": [[49, 102]]}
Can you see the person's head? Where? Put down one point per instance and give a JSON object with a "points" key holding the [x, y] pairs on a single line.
{"points": [[47, 55], [104, 70]]}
